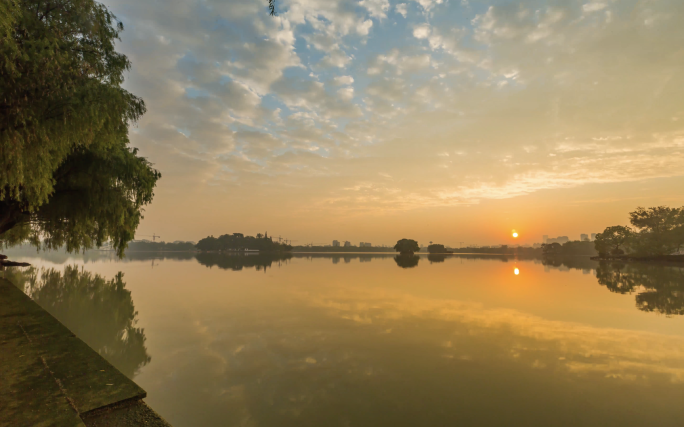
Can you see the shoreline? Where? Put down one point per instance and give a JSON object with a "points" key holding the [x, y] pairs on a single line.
{"points": [[50, 376], [660, 259]]}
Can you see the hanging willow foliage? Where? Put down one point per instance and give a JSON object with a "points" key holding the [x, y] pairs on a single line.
{"points": [[67, 174]]}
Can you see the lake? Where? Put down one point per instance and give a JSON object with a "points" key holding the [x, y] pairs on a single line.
{"points": [[374, 340]]}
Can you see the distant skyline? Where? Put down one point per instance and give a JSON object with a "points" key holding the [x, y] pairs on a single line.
{"points": [[374, 120]]}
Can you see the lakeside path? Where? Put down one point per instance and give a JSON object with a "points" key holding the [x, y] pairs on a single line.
{"points": [[49, 377]]}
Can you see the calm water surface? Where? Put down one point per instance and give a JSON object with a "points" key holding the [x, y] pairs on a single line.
{"points": [[370, 340]]}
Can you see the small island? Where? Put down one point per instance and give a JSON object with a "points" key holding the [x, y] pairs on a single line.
{"points": [[238, 242]]}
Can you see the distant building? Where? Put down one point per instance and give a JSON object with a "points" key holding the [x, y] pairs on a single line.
{"points": [[365, 245], [536, 245], [336, 243], [347, 244], [545, 239], [584, 237], [593, 236], [559, 239]]}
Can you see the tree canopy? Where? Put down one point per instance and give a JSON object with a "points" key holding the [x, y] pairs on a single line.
{"points": [[437, 248], [67, 175], [660, 230], [406, 246], [657, 231], [611, 240]]}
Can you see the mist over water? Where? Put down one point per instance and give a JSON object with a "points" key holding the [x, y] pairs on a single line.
{"points": [[380, 340]]}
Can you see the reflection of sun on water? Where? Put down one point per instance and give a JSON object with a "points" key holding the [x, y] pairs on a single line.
{"points": [[516, 271]]}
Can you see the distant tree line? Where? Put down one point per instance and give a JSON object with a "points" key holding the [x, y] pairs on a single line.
{"points": [[655, 231], [146, 246], [238, 242], [574, 247], [501, 250], [341, 249]]}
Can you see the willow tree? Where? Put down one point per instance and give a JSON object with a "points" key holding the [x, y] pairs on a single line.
{"points": [[67, 173]]}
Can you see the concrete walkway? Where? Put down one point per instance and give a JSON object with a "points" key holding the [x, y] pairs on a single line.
{"points": [[49, 377]]}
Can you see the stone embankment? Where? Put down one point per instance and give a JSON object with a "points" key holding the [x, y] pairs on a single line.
{"points": [[49, 377]]}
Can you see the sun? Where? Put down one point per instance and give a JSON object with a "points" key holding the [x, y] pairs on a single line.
{"points": [[515, 234]]}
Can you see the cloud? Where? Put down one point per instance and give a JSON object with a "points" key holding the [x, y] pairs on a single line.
{"points": [[421, 31], [376, 8], [401, 9], [343, 80]]}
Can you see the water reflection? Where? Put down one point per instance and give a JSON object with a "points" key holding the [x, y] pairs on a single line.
{"points": [[584, 263], [436, 258], [98, 311], [407, 261], [367, 344], [361, 356], [260, 261], [659, 288]]}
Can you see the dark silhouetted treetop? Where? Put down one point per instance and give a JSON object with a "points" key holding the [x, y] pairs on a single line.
{"points": [[660, 230], [64, 122], [612, 239], [406, 246], [438, 249]]}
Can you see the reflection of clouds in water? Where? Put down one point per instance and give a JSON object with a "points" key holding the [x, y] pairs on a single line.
{"points": [[344, 354], [574, 347]]}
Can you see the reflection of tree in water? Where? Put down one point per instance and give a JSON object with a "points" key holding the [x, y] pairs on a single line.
{"points": [[571, 262], [407, 261], [99, 312], [436, 258], [238, 262], [661, 287]]}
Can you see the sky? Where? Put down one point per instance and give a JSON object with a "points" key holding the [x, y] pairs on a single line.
{"points": [[453, 121]]}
